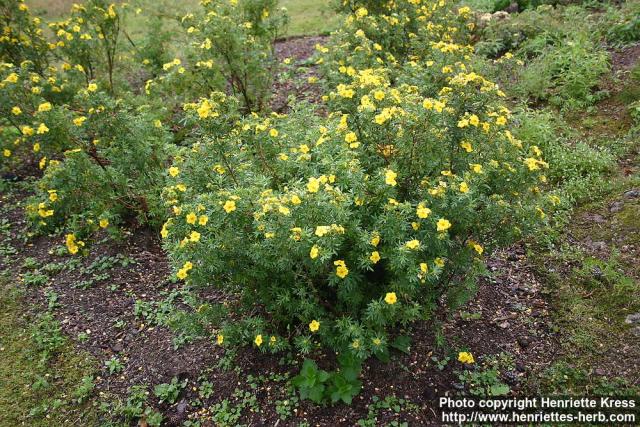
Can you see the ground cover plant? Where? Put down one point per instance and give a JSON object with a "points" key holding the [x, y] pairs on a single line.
{"points": [[210, 223]]}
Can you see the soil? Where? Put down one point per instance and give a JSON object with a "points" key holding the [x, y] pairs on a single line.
{"points": [[299, 50]]}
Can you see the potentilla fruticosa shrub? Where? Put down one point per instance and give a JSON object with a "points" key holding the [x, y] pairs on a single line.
{"points": [[231, 49], [338, 231], [112, 174], [31, 112], [89, 39], [22, 38]]}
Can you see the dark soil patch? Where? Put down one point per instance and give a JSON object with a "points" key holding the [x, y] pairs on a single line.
{"points": [[294, 78]]}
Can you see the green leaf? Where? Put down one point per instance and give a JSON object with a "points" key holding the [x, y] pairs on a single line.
{"points": [[499, 390], [402, 343]]}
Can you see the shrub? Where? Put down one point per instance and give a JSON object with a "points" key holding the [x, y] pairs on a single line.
{"points": [[89, 38], [22, 36], [32, 122], [565, 74], [113, 174], [232, 47], [338, 230]]}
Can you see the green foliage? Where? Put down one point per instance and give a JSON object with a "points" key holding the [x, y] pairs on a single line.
{"points": [[484, 379], [111, 176], [621, 26], [389, 403], [574, 166], [114, 365], [169, 392], [232, 46], [47, 337], [320, 386], [565, 75], [89, 39], [22, 37]]}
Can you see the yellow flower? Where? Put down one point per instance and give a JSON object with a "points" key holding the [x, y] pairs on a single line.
{"points": [[220, 339], [314, 325], [78, 121], [390, 177], [466, 146], [92, 87], [182, 274], [203, 220], [465, 357], [104, 223], [443, 224], [273, 133], [422, 211], [351, 137], [7, 153], [314, 252], [174, 171], [501, 121], [194, 236], [378, 95], [258, 340], [478, 248], [390, 298], [45, 106], [16, 111], [439, 262], [476, 168], [375, 257], [313, 185], [424, 267], [229, 206], [413, 244], [464, 188], [42, 129], [474, 120], [341, 270], [375, 240], [191, 218]]}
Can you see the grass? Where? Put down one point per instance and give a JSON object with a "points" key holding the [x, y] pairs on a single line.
{"points": [[33, 391], [308, 17]]}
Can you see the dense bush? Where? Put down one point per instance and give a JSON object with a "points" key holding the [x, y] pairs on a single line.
{"points": [[339, 230], [112, 174], [22, 36], [89, 38]]}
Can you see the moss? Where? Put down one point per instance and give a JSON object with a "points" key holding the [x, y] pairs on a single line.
{"points": [[32, 392]]}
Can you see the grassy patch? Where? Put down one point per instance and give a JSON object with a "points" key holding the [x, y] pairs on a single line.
{"points": [[43, 380], [310, 17]]}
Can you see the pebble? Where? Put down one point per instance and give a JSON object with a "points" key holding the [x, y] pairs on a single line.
{"points": [[632, 318], [632, 194], [616, 206]]}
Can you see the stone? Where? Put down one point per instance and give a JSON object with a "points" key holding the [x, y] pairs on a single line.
{"points": [[632, 194], [632, 318], [616, 206]]}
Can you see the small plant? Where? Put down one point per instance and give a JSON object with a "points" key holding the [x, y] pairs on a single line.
{"points": [[114, 365], [484, 379], [169, 392], [47, 337], [84, 390], [320, 386]]}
